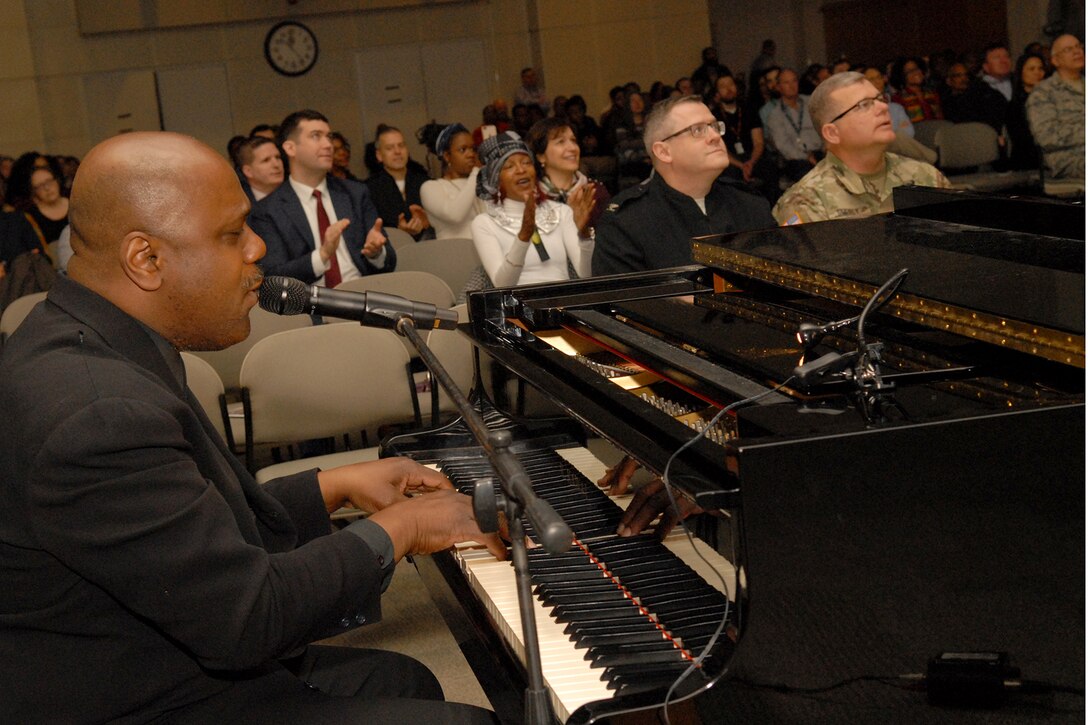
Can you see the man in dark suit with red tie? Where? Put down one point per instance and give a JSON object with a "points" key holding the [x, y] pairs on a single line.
{"points": [[317, 228]]}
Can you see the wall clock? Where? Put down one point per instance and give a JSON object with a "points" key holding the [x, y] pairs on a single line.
{"points": [[291, 48]]}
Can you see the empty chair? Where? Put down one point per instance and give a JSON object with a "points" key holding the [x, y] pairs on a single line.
{"points": [[399, 239], [963, 145], [322, 381], [453, 260], [228, 362], [207, 386], [20, 307], [925, 132]]}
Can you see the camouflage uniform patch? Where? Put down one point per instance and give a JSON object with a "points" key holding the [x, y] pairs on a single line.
{"points": [[834, 191]]}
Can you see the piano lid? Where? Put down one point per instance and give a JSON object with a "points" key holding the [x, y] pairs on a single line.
{"points": [[1018, 290]]}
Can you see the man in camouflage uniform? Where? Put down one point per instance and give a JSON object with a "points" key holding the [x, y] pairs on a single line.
{"points": [[858, 174], [1056, 111]]}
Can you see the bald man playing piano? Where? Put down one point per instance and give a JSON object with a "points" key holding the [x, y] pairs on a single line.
{"points": [[146, 575]]}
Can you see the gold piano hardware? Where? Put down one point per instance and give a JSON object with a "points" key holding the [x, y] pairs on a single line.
{"points": [[1024, 337]]}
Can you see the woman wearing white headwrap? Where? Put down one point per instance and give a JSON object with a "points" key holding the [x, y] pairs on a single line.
{"points": [[523, 237]]}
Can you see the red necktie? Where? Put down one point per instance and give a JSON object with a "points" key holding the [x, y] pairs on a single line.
{"points": [[332, 274]]}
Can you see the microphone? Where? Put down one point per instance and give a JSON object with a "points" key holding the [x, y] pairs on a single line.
{"points": [[289, 296], [809, 334]]}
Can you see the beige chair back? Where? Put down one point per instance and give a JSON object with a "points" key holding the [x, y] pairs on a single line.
{"points": [[228, 362], [206, 385], [398, 238], [454, 351], [20, 307], [419, 286], [960, 145], [453, 260], [320, 381]]}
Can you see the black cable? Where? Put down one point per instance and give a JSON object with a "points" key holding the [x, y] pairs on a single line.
{"points": [[872, 306]]}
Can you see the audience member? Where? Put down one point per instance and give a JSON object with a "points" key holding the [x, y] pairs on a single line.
{"points": [[19, 194], [768, 95], [650, 226], [48, 212], [492, 121], [234, 149], [789, 128], [997, 70], [908, 76], [519, 217], [659, 92], [708, 71], [395, 189], [761, 63], [611, 117], [1023, 152], [965, 99], [684, 86], [812, 77], [319, 229], [857, 175], [69, 165], [451, 201], [839, 66], [1056, 111], [155, 578], [531, 91], [591, 139], [743, 139], [521, 120], [341, 157], [262, 167], [632, 160], [559, 107], [558, 158]]}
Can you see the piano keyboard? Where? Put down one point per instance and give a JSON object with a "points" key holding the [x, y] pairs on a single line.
{"points": [[614, 616]]}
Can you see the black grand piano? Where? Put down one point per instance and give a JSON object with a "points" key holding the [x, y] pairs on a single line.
{"points": [[853, 528]]}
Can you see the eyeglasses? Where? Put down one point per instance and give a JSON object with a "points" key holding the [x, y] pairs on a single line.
{"points": [[44, 184], [1066, 49], [863, 105], [699, 130]]}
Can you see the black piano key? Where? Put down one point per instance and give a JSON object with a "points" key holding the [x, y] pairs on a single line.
{"points": [[586, 641], [621, 648], [621, 676], [672, 654]]}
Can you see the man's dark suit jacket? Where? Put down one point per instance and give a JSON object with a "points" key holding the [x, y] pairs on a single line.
{"points": [[142, 568], [650, 226], [387, 197], [280, 221]]}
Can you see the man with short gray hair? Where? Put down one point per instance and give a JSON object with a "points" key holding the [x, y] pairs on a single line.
{"points": [[650, 226], [856, 177]]}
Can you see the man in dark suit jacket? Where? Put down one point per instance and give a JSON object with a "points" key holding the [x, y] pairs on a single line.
{"points": [[147, 576], [288, 220], [650, 226], [395, 188]]}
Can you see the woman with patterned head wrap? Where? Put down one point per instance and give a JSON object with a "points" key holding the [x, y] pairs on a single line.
{"points": [[518, 217]]}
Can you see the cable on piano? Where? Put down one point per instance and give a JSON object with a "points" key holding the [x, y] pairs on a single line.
{"points": [[697, 662]]}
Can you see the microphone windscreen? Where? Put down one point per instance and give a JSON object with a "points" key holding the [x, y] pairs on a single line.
{"points": [[283, 296]]}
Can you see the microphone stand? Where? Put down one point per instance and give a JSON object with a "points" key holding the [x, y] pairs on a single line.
{"points": [[517, 500]]}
